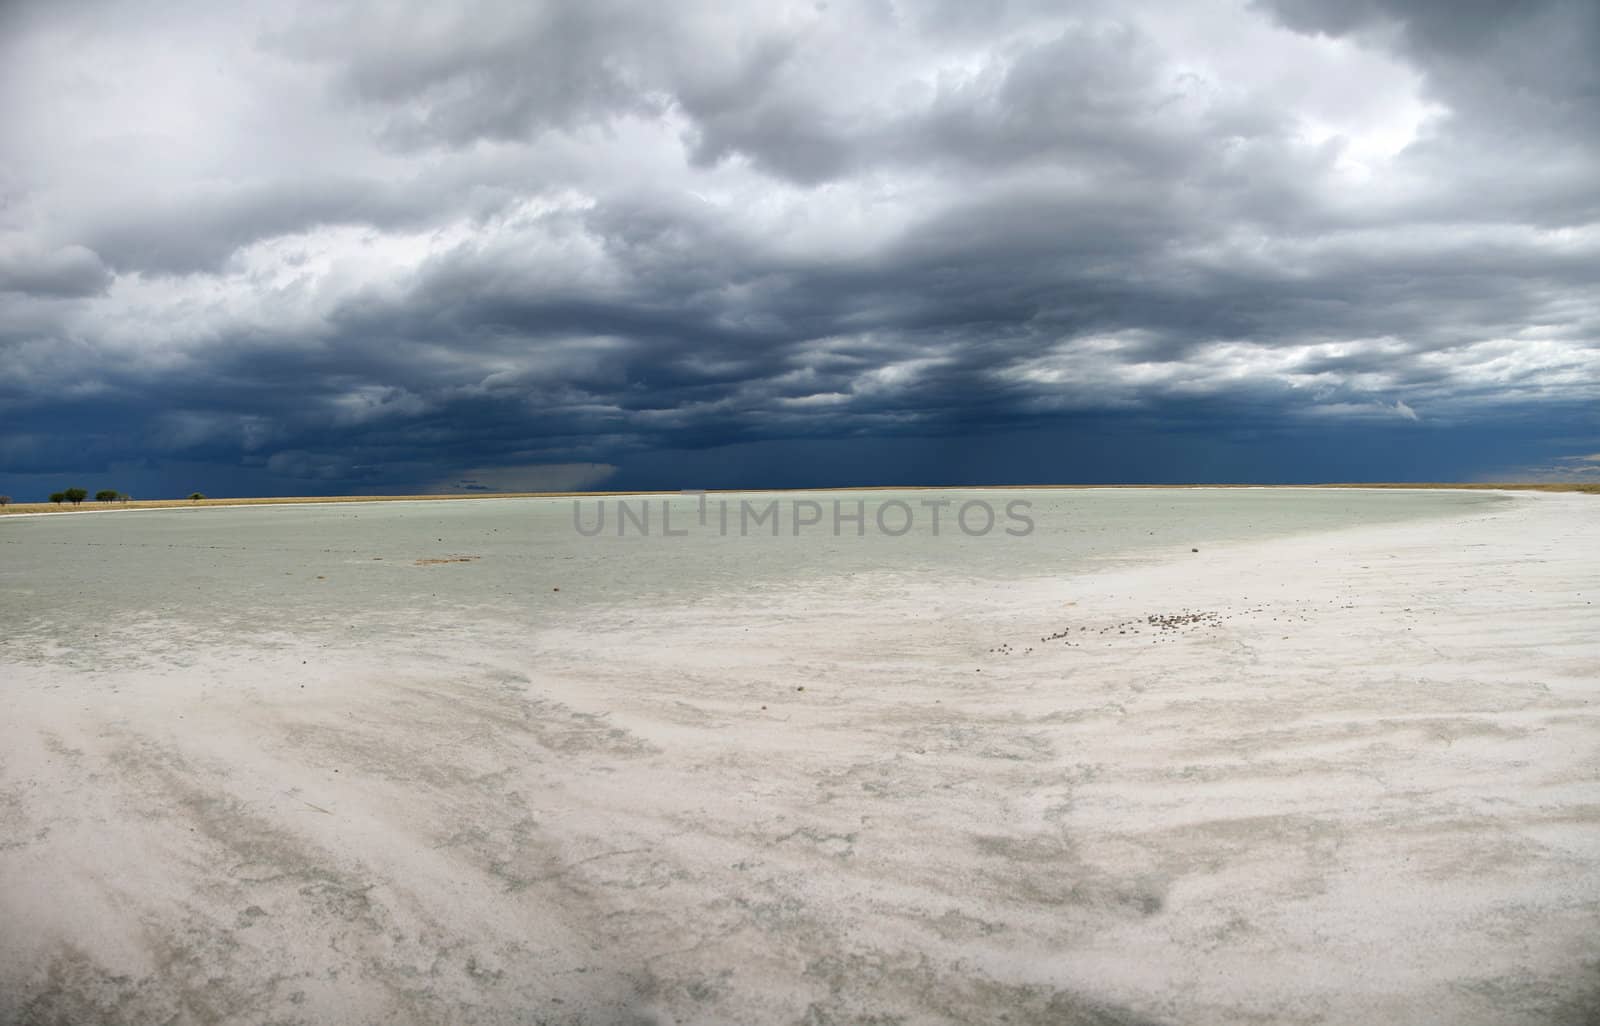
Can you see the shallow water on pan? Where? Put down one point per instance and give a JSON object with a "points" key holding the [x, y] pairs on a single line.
{"points": [[90, 585]]}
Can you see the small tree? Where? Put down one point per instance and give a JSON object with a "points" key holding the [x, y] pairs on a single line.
{"points": [[196, 496], [106, 495], [75, 495], [123, 497], [58, 497], [5, 500]]}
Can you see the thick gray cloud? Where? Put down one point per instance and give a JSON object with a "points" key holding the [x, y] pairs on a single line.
{"points": [[67, 271], [371, 245]]}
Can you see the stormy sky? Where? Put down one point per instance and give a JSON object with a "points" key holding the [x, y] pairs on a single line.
{"points": [[392, 247]]}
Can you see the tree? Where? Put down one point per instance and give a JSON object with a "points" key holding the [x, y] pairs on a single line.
{"points": [[106, 495], [75, 495], [123, 497], [58, 497], [196, 496], [5, 500]]}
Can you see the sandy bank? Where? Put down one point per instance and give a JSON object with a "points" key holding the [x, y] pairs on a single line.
{"points": [[1343, 778]]}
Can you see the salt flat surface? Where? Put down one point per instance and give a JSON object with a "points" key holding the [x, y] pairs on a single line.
{"points": [[1338, 766]]}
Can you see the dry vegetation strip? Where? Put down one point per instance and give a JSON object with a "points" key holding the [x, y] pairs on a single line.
{"points": [[50, 507]]}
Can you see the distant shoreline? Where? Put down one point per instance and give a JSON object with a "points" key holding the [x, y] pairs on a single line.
{"points": [[23, 508]]}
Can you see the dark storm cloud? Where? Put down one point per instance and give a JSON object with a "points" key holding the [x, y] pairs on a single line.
{"points": [[364, 247], [1522, 88], [1537, 46], [473, 71], [201, 229], [65, 272]]}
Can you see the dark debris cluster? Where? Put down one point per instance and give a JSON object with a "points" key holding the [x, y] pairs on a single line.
{"points": [[1158, 624]]}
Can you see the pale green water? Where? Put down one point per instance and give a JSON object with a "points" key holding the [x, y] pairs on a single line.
{"points": [[68, 584]]}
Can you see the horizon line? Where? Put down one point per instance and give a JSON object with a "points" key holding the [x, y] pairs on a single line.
{"points": [[87, 505]]}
